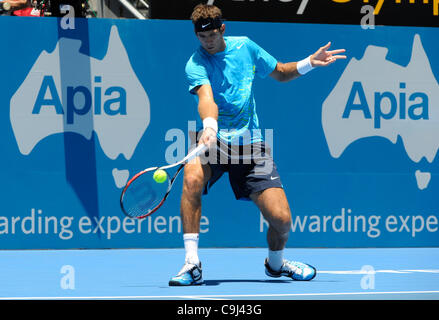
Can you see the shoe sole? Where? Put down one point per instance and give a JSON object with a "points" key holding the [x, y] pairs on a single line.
{"points": [[286, 275], [272, 275], [180, 284]]}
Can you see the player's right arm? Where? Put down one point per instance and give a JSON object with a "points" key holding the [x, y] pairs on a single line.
{"points": [[208, 111]]}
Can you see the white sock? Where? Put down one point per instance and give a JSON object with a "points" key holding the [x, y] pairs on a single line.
{"points": [[275, 259], [191, 247]]}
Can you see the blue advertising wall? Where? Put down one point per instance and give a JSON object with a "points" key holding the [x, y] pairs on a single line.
{"points": [[84, 108]]}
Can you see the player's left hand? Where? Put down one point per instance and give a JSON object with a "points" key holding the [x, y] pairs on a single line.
{"points": [[323, 57]]}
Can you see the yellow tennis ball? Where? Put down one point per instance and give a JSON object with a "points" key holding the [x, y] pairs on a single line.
{"points": [[160, 176]]}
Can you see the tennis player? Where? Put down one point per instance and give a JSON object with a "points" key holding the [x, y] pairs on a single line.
{"points": [[220, 75]]}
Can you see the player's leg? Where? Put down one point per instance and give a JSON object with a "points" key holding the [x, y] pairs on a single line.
{"points": [[265, 189], [273, 204], [195, 178]]}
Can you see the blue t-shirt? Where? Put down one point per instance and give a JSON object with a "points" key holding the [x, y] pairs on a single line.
{"points": [[230, 74]]}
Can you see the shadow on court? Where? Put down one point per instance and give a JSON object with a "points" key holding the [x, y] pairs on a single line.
{"points": [[218, 282]]}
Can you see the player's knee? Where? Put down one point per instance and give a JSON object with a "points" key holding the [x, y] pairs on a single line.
{"points": [[283, 222], [286, 226], [193, 183]]}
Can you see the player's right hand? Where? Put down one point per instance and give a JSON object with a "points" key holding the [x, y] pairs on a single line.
{"points": [[208, 137]]}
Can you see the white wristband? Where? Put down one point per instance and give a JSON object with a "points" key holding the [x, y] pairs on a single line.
{"points": [[304, 66], [210, 122]]}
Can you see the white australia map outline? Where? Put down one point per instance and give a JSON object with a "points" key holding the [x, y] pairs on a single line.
{"points": [[374, 74], [117, 133]]}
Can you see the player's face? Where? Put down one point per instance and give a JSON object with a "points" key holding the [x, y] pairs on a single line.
{"points": [[212, 41]]}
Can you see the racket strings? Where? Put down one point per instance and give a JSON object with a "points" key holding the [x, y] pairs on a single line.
{"points": [[143, 195]]}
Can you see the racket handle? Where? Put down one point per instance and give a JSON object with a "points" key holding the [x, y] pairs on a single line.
{"points": [[200, 149], [196, 152]]}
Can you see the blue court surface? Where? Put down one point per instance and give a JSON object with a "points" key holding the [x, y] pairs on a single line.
{"points": [[229, 274]]}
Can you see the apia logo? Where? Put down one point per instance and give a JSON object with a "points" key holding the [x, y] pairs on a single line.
{"points": [[376, 97], [115, 104], [386, 104], [82, 94]]}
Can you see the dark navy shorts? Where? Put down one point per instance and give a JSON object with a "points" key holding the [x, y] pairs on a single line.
{"points": [[250, 168]]}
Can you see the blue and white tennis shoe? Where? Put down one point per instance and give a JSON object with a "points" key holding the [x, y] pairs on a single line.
{"points": [[295, 270], [189, 275]]}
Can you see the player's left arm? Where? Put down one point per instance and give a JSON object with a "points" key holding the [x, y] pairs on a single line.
{"points": [[321, 58]]}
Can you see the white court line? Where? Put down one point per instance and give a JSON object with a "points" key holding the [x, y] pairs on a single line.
{"points": [[377, 271], [220, 295], [203, 298], [223, 297], [427, 270]]}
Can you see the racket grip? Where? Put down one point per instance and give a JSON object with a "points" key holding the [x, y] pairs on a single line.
{"points": [[200, 149], [196, 152]]}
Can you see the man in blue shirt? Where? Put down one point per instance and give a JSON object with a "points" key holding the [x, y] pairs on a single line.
{"points": [[220, 75]]}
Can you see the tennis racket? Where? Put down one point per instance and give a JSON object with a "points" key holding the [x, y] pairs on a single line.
{"points": [[142, 195]]}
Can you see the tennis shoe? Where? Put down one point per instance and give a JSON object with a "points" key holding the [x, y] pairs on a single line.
{"points": [[189, 275], [295, 270]]}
